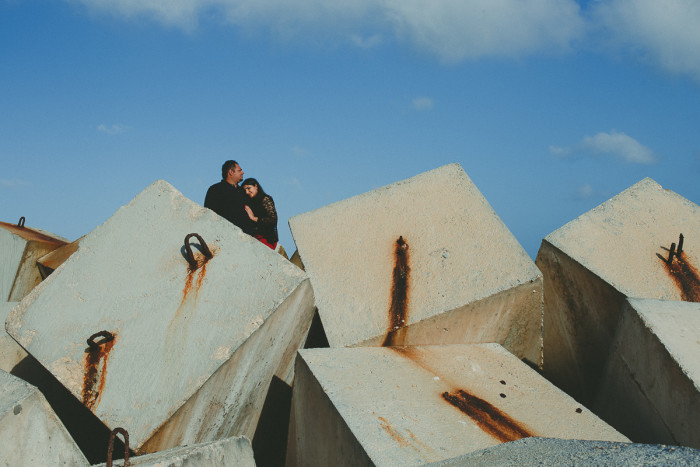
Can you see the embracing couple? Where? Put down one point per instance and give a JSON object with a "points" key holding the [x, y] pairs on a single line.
{"points": [[246, 206]]}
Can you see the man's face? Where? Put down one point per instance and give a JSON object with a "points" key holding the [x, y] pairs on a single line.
{"points": [[235, 174]]}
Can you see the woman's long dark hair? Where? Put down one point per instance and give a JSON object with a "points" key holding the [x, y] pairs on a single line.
{"points": [[253, 182]]}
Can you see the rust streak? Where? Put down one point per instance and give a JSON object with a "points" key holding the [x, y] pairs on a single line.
{"points": [[393, 433], [685, 276], [399, 294], [489, 418], [95, 363], [201, 269]]}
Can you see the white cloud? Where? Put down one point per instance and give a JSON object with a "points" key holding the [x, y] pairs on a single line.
{"points": [[423, 103], [111, 129], [14, 183], [614, 143], [451, 29], [300, 152], [665, 32]]}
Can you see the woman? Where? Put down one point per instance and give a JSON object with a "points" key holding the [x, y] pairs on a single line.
{"points": [[261, 210]]}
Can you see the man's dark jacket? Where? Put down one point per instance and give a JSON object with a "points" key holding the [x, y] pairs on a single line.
{"points": [[229, 202]]}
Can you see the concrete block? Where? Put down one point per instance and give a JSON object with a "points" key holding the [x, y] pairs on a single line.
{"points": [[11, 353], [187, 354], [413, 405], [31, 433], [229, 451], [20, 247], [594, 262], [650, 388], [552, 451], [421, 261], [51, 261]]}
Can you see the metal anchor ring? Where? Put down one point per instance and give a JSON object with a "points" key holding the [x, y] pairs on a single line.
{"points": [[108, 336], [188, 250], [21, 222], [110, 448]]}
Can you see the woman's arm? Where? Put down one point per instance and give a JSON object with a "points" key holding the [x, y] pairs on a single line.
{"points": [[269, 216]]}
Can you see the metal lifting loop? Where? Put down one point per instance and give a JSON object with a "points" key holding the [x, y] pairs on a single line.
{"points": [[108, 336], [188, 250], [21, 222], [110, 448]]}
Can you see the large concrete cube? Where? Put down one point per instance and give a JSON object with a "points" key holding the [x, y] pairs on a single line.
{"points": [[419, 404], [590, 265], [650, 389], [31, 433], [175, 354], [421, 261], [20, 247], [234, 451]]}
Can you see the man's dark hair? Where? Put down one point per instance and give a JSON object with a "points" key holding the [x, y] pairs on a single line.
{"points": [[226, 167]]}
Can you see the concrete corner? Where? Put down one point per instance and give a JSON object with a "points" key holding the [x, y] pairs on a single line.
{"points": [[421, 261], [592, 264], [420, 404], [650, 389]]}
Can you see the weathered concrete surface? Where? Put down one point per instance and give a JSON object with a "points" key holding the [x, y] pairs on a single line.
{"points": [[51, 261], [413, 405], [594, 262], [234, 451], [11, 353], [20, 247], [193, 350], [650, 389], [551, 451], [466, 279], [31, 433]]}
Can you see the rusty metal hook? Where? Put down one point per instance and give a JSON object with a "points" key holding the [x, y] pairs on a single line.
{"points": [[671, 252], [110, 448], [680, 246], [188, 250], [21, 222], [108, 336]]}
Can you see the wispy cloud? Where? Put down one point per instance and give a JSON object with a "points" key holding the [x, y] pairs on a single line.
{"points": [[13, 183], [423, 103], [664, 33], [614, 144], [661, 32], [111, 129], [300, 152]]}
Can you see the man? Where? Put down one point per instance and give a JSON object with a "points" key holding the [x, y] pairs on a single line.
{"points": [[227, 199]]}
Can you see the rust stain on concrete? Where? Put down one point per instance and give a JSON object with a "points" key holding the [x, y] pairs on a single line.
{"points": [[488, 417], [685, 276], [399, 295], [95, 364]]}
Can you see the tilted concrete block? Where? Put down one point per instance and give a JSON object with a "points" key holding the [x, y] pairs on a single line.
{"points": [[552, 451], [51, 261], [11, 353], [31, 433], [174, 354], [421, 261], [20, 247], [234, 451], [650, 389], [594, 262], [419, 404]]}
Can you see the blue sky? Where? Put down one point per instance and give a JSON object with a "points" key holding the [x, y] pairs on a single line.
{"points": [[551, 106]]}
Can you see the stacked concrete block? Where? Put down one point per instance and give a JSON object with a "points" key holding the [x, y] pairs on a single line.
{"points": [[51, 261], [650, 389], [420, 404], [20, 247], [552, 451], [421, 261], [230, 451], [592, 264], [31, 433], [10, 351], [174, 337]]}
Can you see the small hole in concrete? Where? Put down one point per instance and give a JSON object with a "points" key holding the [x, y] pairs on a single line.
{"points": [[503, 395], [503, 382], [579, 410]]}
